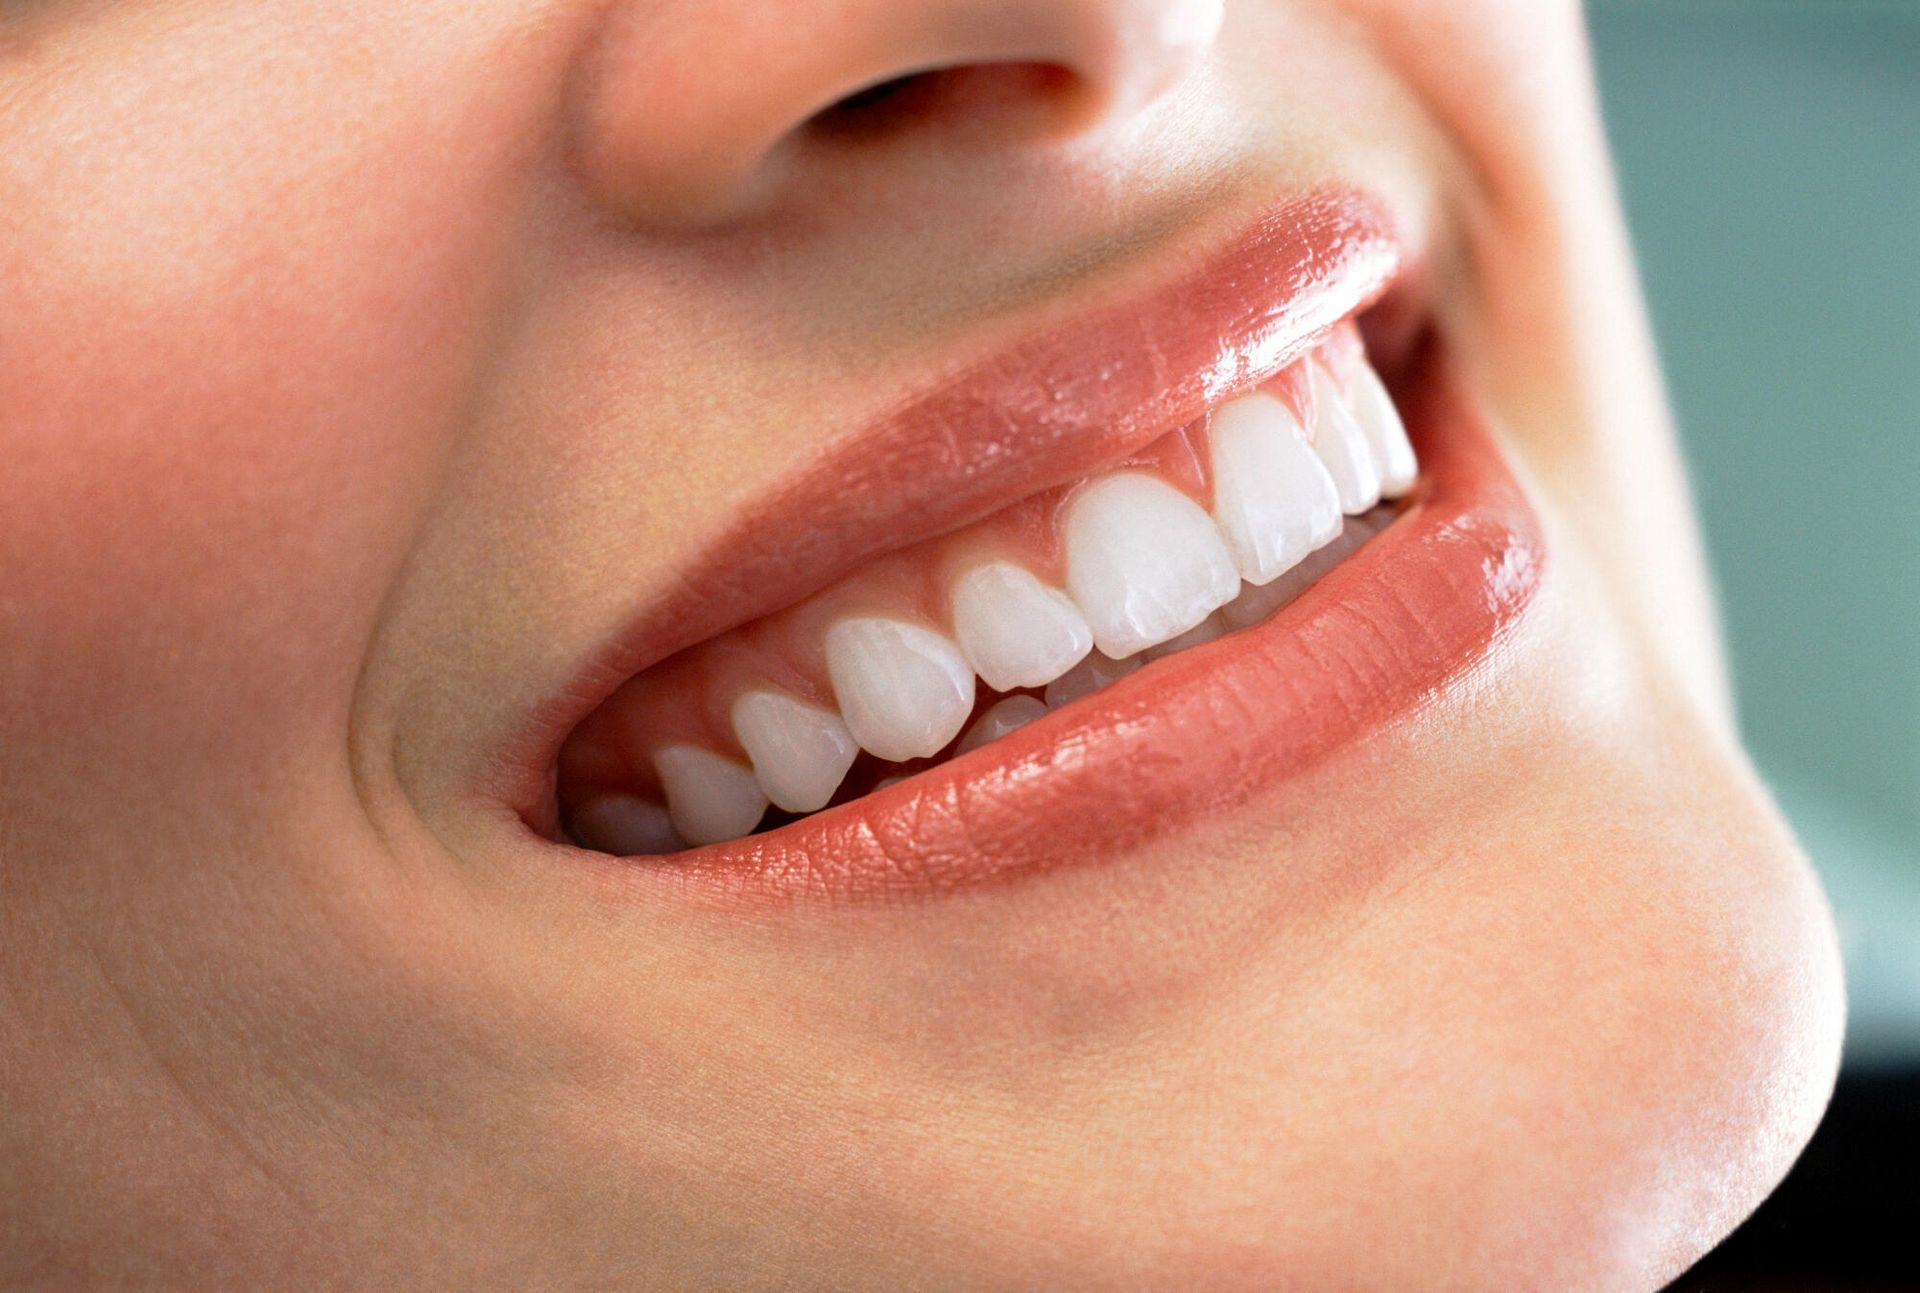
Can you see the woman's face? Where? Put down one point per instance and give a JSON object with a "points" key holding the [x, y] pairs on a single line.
{"points": [[417, 417]]}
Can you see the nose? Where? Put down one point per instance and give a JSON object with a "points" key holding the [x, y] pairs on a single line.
{"points": [[692, 111]]}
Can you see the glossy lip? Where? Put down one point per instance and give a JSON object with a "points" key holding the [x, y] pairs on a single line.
{"points": [[1429, 602], [1043, 412]]}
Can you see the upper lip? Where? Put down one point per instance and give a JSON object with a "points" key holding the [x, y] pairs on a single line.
{"points": [[1045, 411]]}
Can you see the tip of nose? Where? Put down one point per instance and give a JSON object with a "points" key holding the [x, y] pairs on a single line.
{"points": [[1192, 23], [1159, 49]]}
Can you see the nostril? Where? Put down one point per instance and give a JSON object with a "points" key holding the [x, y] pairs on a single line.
{"points": [[995, 95], [862, 103], [687, 116]]}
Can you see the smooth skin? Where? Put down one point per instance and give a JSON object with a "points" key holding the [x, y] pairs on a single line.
{"points": [[363, 365]]}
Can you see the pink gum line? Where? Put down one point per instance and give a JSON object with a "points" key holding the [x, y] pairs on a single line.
{"points": [[687, 697]]}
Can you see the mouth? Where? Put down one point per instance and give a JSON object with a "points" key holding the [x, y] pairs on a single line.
{"points": [[1095, 590]]}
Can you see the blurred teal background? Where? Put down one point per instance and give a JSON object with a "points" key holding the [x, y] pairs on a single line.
{"points": [[1769, 155]]}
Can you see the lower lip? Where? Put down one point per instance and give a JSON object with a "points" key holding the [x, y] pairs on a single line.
{"points": [[1430, 600]]}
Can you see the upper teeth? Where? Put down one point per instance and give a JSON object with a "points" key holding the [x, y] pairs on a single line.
{"points": [[1145, 568], [1341, 444], [1014, 630], [1272, 498], [709, 798], [799, 751], [905, 689], [1143, 561]]}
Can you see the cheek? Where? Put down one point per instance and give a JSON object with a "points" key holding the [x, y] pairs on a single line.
{"points": [[242, 288]]}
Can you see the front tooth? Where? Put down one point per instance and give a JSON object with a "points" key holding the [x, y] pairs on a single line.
{"points": [[1144, 563], [1014, 630], [1003, 717], [1386, 433], [709, 798], [1087, 677], [1272, 496], [799, 751], [625, 826], [904, 690], [1341, 444]]}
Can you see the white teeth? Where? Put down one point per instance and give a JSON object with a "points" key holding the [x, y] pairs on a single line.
{"points": [[1148, 573], [1272, 497], [1205, 631], [1087, 677], [905, 691], [1014, 630], [625, 826], [1386, 433], [800, 752], [709, 798], [1342, 445], [1001, 718], [1144, 562]]}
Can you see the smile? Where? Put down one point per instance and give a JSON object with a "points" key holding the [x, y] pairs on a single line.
{"points": [[1044, 613]]}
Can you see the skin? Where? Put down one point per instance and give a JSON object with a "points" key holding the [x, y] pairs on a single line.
{"points": [[364, 365]]}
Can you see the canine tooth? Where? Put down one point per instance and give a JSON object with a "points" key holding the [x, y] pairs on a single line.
{"points": [[1144, 562], [1014, 630], [625, 826], [1386, 434], [904, 690], [1342, 445], [709, 798], [1087, 677], [1272, 496], [1205, 631], [799, 751], [1002, 717]]}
